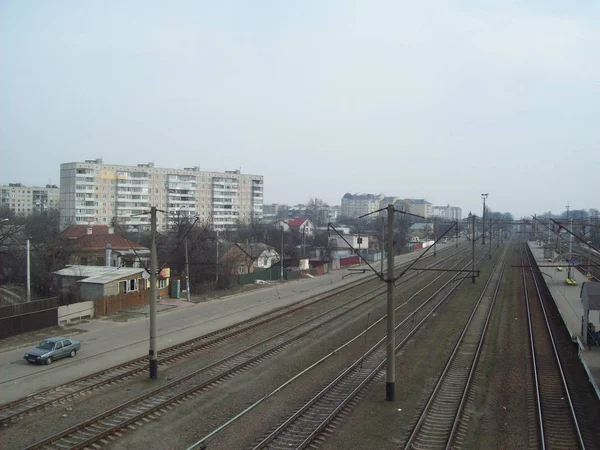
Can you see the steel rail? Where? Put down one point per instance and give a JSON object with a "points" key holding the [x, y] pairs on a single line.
{"points": [[96, 421], [457, 400], [301, 436], [35, 402], [557, 360]]}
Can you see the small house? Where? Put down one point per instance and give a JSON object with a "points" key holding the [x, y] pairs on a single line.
{"points": [[244, 258]]}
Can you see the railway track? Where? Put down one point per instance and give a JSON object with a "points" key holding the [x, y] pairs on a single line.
{"points": [[557, 424], [11, 411], [154, 403], [304, 425], [438, 422]]}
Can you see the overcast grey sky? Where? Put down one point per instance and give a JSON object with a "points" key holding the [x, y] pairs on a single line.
{"points": [[434, 99]]}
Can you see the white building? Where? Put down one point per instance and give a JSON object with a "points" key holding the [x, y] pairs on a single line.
{"points": [[355, 205], [92, 192], [24, 200], [448, 212]]}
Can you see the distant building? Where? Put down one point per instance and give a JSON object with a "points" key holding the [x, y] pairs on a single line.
{"points": [[453, 213], [355, 205], [25, 200], [245, 258], [302, 225], [92, 192], [420, 207]]}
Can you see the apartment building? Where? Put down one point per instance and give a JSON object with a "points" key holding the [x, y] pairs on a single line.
{"points": [[453, 213], [92, 192], [355, 205], [24, 200]]}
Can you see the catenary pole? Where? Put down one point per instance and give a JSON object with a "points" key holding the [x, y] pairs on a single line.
{"points": [[473, 256], [187, 270], [390, 384], [153, 294], [490, 239], [28, 272], [382, 241]]}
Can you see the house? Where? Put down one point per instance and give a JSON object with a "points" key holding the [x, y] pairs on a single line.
{"points": [[89, 244], [302, 225], [245, 258], [93, 282], [348, 245]]}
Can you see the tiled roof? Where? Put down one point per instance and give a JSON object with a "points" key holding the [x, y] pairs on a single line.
{"points": [[99, 241], [76, 231], [296, 222]]}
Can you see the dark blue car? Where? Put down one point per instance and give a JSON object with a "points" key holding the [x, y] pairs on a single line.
{"points": [[52, 349]]}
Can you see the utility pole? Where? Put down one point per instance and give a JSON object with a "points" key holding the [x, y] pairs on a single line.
{"points": [[390, 379], [187, 270], [359, 242], [303, 242], [490, 239], [28, 273], [456, 235], [434, 237], [473, 242], [498, 237], [382, 241], [483, 196], [281, 268], [570, 246], [153, 288], [217, 262]]}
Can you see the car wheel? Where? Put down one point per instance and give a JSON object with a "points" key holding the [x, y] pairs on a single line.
{"points": [[48, 360], [72, 354]]}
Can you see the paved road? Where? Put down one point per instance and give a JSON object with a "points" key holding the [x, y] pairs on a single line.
{"points": [[106, 343]]}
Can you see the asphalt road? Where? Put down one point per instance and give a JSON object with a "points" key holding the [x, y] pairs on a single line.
{"points": [[106, 343]]}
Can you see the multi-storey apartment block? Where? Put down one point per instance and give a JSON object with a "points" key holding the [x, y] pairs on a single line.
{"points": [[448, 212], [24, 200], [359, 204], [92, 192]]}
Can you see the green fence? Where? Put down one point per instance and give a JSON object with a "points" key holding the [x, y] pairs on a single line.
{"points": [[259, 274]]}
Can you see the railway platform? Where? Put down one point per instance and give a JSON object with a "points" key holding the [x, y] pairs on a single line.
{"points": [[568, 301]]}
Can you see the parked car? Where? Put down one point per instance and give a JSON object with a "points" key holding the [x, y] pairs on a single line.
{"points": [[52, 349]]}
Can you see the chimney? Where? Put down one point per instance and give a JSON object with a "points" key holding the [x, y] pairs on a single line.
{"points": [[111, 230], [89, 230], [108, 255]]}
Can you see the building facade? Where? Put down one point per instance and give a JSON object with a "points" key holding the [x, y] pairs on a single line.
{"points": [[24, 200], [420, 207], [92, 192], [355, 205], [453, 213]]}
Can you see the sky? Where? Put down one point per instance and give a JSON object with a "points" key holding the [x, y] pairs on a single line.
{"points": [[431, 99]]}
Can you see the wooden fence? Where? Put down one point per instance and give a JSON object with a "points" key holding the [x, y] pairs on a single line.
{"points": [[30, 316], [111, 304]]}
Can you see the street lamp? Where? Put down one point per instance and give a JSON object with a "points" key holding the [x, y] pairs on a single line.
{"points": [[483, 196]]}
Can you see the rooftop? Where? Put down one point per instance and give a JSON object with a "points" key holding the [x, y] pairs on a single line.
{"points": [[98, 274], [296, 222]]}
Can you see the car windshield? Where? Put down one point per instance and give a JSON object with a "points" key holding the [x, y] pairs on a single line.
{"points": [[46, 345]]}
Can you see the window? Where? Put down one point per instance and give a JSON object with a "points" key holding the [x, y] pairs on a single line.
{"points": [[133, 285], [162, 283]]}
